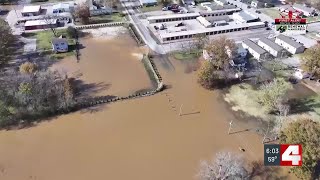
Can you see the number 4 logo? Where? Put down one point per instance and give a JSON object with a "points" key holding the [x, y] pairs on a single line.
{"points": [[291, 155]]}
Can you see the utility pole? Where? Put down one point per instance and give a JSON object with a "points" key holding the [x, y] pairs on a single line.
{"points": [[230, 126], [265, 134], [180, 112]]}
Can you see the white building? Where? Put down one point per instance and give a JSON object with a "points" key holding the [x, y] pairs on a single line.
{"points": [[221, 2], [289, 44], [204, 22], [307, 11], [256, 51], [62, 7], [257, 4], [31, 10], [244, 17], [271, 47]]}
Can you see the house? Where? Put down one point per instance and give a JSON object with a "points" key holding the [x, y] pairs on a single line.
{"points": [[188, 2], [286, 8], [62, 7], [257, 4], [244, 17], [31, 10], [148, 2], [221, 2], [307, 11], [271, 47], [59, 44], [289, 44], [256, 51], [95, 8], [238, 59], [40, 24]]}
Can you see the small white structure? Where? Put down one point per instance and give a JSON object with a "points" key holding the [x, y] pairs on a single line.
{"points": [[62, 7], [289, 44], [307, 11], [244, 17], [59, 44], [256, 51], [205, 4], [221, 2], [203, 21], [31, 10], [271, 47]]}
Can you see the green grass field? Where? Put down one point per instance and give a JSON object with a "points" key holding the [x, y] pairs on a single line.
{"points": [[180, 55], [116, 17], [44, 42], [152, 8]]}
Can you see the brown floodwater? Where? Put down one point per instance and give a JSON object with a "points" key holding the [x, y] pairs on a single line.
{"points": [[108, 67], [140, 139]]}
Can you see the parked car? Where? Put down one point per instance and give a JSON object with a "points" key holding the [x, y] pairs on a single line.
{"points": [[257, 11], [248, 7], [179, 24], [268, 28]]}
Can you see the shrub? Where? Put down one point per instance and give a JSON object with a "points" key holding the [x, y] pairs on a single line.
{"points": [[28, 68], [72, 32]]}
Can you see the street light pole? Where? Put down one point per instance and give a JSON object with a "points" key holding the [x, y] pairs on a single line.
{"points": [[230, 126]]}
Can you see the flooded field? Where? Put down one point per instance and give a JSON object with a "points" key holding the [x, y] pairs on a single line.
{"points": [[108, 67], [140, 139]]}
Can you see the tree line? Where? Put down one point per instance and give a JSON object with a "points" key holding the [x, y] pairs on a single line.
{"points": [[232, 166]]}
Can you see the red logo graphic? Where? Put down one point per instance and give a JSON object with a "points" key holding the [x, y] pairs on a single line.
{"points": [[291, 155]]}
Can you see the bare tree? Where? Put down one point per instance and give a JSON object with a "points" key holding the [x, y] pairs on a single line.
{"points": [[83, 13], [50, 21], [225, 166], [188, 47]]}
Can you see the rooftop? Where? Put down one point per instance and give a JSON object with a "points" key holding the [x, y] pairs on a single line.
{"points": [[289, 41], [149, 1], [254, 46], [31, 9], [246, 15], [61, 6], [194, 27], [40, 22], [173, 16], [59, 40], [271, 44], [303, 8]]}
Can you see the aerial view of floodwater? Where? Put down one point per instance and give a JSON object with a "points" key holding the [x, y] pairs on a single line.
{"points": [[140, 139]]}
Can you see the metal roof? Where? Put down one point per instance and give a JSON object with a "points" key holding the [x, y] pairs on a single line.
{"points": [[40, 22], [289, 41], [246, 16], [303, 8], [205, 30], [31, 9], [271, 44], [254, 46], [61, 6], [173, 16], [148, 1]]}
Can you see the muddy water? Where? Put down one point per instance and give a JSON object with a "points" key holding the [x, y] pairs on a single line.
{"points": [[141, 139], [108, 67]]}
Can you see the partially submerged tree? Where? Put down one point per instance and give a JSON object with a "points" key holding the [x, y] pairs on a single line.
{"points": [[307, 133], [7, 40], [217, 72], [272, 93], [226, 165], [200, 41], [311, 60], [83, 13]]}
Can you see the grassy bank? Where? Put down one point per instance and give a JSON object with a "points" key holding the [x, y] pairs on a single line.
{"points": [[182, 55], [145, 61]]}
